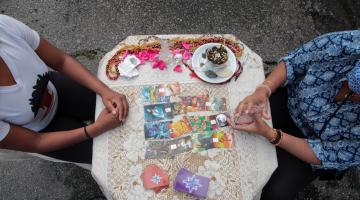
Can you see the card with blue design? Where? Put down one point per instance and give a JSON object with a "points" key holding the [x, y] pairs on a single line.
{"points": [[157, 130], [158, 112], [186, 181], [159, 93]]}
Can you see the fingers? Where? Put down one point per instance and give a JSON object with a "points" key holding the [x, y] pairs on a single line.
{"points": [[265, 112], [110, 107], [125, 105], [242, 127]]}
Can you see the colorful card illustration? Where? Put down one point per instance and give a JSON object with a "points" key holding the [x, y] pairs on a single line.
{"points": [[180, 145], [157, 130], [217, 104], [208, 140], [193, 184], [195, 103], [202, 123], [159, 93], [158, 149], [222, 140], [157, 112], [180, 127], [202, 141]]}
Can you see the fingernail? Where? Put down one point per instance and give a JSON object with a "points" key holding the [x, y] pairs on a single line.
{"points": [[114, 112]]}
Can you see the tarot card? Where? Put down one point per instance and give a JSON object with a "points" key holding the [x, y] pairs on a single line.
{"points": [[157, 112], [180, 127], [179, 145], [172, 89], [195, 103], [159, 93], [201, 123], [222, 140], [202, 141], [154, 94], [193, 184], [217, 104], [155, 178], [178, 108], [156, 149], [157, 130]]}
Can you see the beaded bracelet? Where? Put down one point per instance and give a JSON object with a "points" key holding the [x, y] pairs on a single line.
{"points": [[277, 139]]}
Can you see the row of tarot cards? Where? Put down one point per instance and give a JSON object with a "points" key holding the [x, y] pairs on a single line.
{"points": [[191, 133], [196, 142], [162, 93]]}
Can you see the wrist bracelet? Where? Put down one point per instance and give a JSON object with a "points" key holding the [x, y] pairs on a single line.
{"points": [[277, 139], [266, 87], [86, 133]]}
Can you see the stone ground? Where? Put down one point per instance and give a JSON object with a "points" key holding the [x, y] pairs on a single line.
{"points": [[87, 29]]}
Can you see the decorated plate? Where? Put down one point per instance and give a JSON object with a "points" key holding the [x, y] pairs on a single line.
{"points": [[199, 62]]}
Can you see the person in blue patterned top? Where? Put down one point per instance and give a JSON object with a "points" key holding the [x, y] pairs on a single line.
{"points": [[317, 110]]}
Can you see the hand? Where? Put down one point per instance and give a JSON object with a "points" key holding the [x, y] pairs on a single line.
{"points": [[258, 126], [116, 103], [259, 97], [106, 121]]}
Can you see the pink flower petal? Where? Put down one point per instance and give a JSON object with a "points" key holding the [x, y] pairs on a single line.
{"points": [[159, 64], [186, 45], [176, 51], [178, 69], [152, 55], [186, 55]]}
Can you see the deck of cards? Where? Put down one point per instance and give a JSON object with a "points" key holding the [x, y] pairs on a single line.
{"points": [[155, 178], [190, 183]]}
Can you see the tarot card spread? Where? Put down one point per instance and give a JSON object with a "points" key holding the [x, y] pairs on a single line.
{"points": [[159, 93]]}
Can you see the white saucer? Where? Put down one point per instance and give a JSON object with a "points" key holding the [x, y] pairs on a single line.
{"points": [[197, 59]]}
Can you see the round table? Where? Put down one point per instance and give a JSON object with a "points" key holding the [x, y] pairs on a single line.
{"points": [[118, 155]]}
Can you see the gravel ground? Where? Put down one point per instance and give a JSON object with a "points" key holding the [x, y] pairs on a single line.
{"points": [[87, 29]]}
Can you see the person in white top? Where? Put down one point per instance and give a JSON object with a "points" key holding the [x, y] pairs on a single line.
{"points": [[43, 111]]}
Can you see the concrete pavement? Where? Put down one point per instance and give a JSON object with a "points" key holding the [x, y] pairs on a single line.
{"points": [[89, 28]]}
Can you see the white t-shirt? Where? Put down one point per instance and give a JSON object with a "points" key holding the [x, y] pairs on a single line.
{"points": [[32, 101]]}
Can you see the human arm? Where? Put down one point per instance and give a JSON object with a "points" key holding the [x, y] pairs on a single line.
{"points": [[296, 146], [64, 63], [23, 139]]}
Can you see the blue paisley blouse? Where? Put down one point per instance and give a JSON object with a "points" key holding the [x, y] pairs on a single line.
{"points": [[315, 73]]}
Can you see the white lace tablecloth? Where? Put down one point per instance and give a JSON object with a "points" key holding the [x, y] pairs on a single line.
{"points": [[118, 159]]}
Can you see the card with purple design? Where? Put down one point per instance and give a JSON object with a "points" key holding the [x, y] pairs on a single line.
{"points": [[190, 183]]}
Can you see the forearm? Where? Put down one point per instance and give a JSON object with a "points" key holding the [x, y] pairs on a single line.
{"points": [[26, 140], [76, 71], [297, 147], [277, 77]]}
